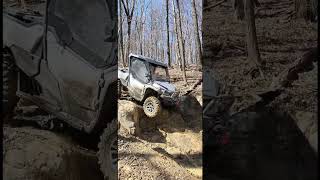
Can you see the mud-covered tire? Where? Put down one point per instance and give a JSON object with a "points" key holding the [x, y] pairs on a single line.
{"points": [[108, 151], [9, 83], [152, 106]]}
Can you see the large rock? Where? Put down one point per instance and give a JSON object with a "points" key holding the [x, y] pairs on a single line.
{"points": [[129, 115], [186, 116], [166, 146], [308, 124], [179, 127], [132, 118], [37, 154]]}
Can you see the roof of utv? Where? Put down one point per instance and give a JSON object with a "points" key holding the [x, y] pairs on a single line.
{"points": [[149, 60]]}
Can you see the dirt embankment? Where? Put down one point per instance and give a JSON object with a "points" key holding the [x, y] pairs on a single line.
{"points": [[34, 154], [282, 40], [168, 146]]}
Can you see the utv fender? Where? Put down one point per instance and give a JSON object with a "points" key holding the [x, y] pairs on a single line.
{"points": [[123, 82], [107, 104], [6, 44], [150, 92]]}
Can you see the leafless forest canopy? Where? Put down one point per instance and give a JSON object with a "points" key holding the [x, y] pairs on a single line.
{"points": [[169, 31]]}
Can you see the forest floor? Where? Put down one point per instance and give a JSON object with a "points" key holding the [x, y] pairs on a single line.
{"points": [[281, 42]]}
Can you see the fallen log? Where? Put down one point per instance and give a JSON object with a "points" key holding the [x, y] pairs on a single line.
{"points": [[213, 5], [304, 64], [199, 81]]}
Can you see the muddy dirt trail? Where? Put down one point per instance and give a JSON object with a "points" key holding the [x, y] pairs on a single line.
{"points": [[168, 146], [139, 159]]}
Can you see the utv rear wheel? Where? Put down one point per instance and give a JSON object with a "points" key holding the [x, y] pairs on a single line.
{"points": [[9, 83], [152, 106], [108, 152]]}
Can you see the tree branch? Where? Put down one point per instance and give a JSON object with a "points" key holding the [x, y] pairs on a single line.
{"points": [[213, 5]]}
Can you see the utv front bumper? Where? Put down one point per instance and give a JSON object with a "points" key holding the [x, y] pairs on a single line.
{"points": [[170, 99]]}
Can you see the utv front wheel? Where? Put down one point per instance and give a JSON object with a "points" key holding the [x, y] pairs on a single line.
{"points": [[108, 152], [152, 106], [9, 77]]}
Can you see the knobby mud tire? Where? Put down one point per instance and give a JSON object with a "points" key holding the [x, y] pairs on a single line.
{"points": [[108, 151], [9, 83], [152, 106]]}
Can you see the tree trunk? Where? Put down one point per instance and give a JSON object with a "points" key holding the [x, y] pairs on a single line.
{"points": [[238, 7], [121, 36], [177, 44], [23, 4], [168, 33], [252, 44], [196, 33], [181, 43], [129, 38], [306, 9], [129, 13], [314, 9]]}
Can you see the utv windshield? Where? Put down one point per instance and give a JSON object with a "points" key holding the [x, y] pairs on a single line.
{"points": [[139, 70], [159, 73]]}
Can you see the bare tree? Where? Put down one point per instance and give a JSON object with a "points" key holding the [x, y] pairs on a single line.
{"points": [[23, 4], [129, 10], [238, 7], [181, 42], [196, 33], [177, 43], [140, 25], [159, 35], [168, 33], [252, 44], [122, 55], [307, 9]]}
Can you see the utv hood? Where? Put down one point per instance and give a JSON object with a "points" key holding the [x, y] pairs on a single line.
{"points": [[166, 86]]}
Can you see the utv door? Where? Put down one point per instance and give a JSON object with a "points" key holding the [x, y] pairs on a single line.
{"points": [[79, 50], [139, 76]]}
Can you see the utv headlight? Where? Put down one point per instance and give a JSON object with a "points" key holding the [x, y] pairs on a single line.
{"points": [[166, 92]]}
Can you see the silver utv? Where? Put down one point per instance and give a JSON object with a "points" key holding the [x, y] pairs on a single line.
{"points": [[147, 81], [64, 60]]}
